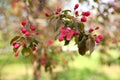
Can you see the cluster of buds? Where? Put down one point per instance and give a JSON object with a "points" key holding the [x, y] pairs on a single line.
{"points": [[74, 28], [99, 37], [84, 14], [24, 29], [57, 11], [67, 33], [19, 42], [16, 46]]}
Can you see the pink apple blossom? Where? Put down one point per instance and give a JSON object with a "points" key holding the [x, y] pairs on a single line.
{"points": [[66, 32]]}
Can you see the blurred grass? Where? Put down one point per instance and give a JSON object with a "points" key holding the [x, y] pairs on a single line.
{"points": [[83, 74], [82, 68]]}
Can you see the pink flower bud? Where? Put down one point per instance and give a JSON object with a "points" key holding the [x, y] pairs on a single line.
{"points": [[42, 62], [32, 28], [36, 33], [91, 30], [57, 12], [16, 54], [47, 15], [97, 40], [34, 48], [83, 19], [96, 28], [50, 42], [17, 45], [27, 33], [100, 36], [59, 9], [61, 38], [76, 33], [24, 30], [23, 22], [14, 43], [76, 6], [87, 13], [76, 13]]}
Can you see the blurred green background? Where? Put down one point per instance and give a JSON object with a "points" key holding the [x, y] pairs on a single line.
{"points": [[103, 64], [82, 68]]}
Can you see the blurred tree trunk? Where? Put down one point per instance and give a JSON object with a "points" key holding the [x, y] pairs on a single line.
{"points": [[51, 74], [37, 74]]}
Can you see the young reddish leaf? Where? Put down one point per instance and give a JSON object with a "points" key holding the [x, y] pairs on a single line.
{"points": [[14, 39], [90, 44]]}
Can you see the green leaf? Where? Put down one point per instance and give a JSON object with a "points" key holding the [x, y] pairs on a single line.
{"points": [[80, 36], [66, 42], [15, 50], [14, 39], [47, 65], [25, 0], [76, 39], [71, 25], [82, 46], [39, 66], [26, 51], [35, 41], [81, 26], [31, 44], [30, 4], [90, 44], [82, 50], [29, 39], [66, 11], [21, 39], [56, 36]]}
